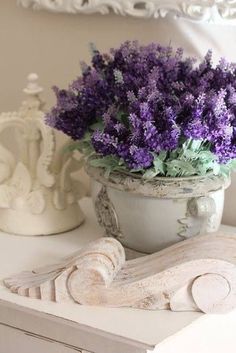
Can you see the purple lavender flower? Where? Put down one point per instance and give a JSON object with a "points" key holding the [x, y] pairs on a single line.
{"points": [[104, 143], [150, 99]]}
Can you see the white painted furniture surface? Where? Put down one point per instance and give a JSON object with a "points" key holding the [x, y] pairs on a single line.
{"points": [[33, 326]]}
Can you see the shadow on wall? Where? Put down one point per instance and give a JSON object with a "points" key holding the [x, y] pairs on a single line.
{"points": [[229, 216]]}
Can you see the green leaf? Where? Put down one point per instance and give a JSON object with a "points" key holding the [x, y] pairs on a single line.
{"points": [[207, 156], [162, 155], [190, 155], [159, 166], [224, 170], [86, 137], [150, 174], [173, 155], [216, 168], [202, 169], [72, 147], [85, 148], [97, 126], [139, 170], [104, 162], [232, 164], [195, 145], [123, 118], [180, 168]]}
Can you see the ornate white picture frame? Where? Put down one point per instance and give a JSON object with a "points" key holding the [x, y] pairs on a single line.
{"points": [[212, 11]]}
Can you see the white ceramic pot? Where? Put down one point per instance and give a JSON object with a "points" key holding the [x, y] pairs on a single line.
{"points": [[148, 216]]}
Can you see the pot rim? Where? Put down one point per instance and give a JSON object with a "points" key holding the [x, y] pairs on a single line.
{"points": [[160, 187]]}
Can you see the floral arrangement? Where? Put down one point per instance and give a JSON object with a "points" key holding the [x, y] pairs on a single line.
{"points": [[149, 110]]}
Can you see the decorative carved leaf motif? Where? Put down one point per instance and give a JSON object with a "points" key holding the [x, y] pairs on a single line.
{"points": [[7, 193], [36, 202], [21, 180], [215, 11]]}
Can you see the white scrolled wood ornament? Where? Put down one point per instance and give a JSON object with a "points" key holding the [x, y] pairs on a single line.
{"points": [[37, 193], [211, 11], [198, 274]]}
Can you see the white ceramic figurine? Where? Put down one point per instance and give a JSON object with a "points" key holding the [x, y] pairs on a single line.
{"points": [[38, 196]]}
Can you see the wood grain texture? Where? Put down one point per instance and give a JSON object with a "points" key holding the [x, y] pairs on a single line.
{"points": [[198, 274]]}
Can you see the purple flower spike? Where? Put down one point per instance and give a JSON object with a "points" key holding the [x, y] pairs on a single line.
{"points": [[149, 99]]}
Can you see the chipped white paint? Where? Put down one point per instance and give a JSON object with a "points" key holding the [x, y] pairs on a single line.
{"points": [[160, 187], [213, 11], [36, 196], [148, 216], [198, 274]]}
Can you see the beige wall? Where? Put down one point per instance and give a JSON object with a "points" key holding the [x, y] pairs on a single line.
{"points": [[52, 45]]}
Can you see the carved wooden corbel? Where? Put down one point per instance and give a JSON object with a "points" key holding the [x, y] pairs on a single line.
{"points": [[198, 274]]}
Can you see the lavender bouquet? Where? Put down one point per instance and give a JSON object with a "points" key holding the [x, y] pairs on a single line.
{"points": [[148, 110]]}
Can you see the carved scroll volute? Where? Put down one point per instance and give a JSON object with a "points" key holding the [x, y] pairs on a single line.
{"points": [[95, 272], [198, 274], [206, 285]]}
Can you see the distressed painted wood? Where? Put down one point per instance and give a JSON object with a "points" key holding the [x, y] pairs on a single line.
{"points": [[198, 274], [11, 338], [58, 333]]}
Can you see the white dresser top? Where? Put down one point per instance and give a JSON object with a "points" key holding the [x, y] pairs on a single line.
{"points": [[146, 329]]}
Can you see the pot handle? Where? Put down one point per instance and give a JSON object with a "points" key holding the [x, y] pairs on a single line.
{"points": [[203, 207]]}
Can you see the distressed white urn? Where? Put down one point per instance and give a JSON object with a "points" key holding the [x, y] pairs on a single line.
{"points": [[148, 216], [38, 196]]}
